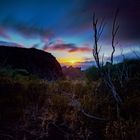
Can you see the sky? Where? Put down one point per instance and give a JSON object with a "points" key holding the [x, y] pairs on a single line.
{"points": [[64, 27]]}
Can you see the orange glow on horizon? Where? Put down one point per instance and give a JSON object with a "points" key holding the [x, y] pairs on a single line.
{"points": [[70, 61], [66, 58]]}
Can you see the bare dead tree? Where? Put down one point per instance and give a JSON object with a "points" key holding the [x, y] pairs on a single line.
{"points": [[97, 34], [115, 29], [106, 75], [77, 105]]}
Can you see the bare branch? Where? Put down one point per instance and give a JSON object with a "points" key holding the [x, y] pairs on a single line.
{"points": [[97, 34], [93, 117], [115, 29], [106, 75], [103, 60], [99, 49], [77, 105], [8, 136], [101, 28]]}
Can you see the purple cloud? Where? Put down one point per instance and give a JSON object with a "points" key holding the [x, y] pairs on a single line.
{"points": [[71, 48]]}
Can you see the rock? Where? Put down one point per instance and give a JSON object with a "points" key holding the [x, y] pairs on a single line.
{"points": [[37, 62]]}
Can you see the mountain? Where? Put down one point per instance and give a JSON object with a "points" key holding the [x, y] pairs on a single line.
{"points": [[37, 62]]}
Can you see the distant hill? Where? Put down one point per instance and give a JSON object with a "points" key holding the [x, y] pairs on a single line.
{"points": [[36, 62], [72, 73], [132, 66]]}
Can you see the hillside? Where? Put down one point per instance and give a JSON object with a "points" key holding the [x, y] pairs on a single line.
{"points": [[131, 66], [36, 62]]}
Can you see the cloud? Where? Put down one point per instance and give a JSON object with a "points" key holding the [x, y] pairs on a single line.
{"points": [[128, 18], [60, 47], [88, 62], [4, 34], [35, 46], [40, 18], [70, 47], [132, 54], [26, 29], [10, 44], [32, 31]]}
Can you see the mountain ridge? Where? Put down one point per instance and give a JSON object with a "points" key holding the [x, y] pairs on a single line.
{"points": [[37, 62]]}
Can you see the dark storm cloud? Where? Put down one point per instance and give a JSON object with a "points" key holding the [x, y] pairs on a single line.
{"points": [[64, 17], [32, 17], [33, 30], [128, 18], [26, 29]]}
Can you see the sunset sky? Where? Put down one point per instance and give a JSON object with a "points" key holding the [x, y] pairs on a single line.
{"points": [[64, 27]]}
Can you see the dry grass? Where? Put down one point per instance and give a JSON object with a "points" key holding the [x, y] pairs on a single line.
{"points": [[40, 107]]}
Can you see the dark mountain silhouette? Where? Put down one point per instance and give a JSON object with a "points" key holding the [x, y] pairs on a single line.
{"points": [[37, 62]]}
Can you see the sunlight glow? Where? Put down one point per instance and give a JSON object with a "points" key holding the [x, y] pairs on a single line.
{"points": [[70, 61]]}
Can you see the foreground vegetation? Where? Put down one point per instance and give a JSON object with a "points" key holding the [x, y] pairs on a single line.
{"points": [[32, 109]]}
